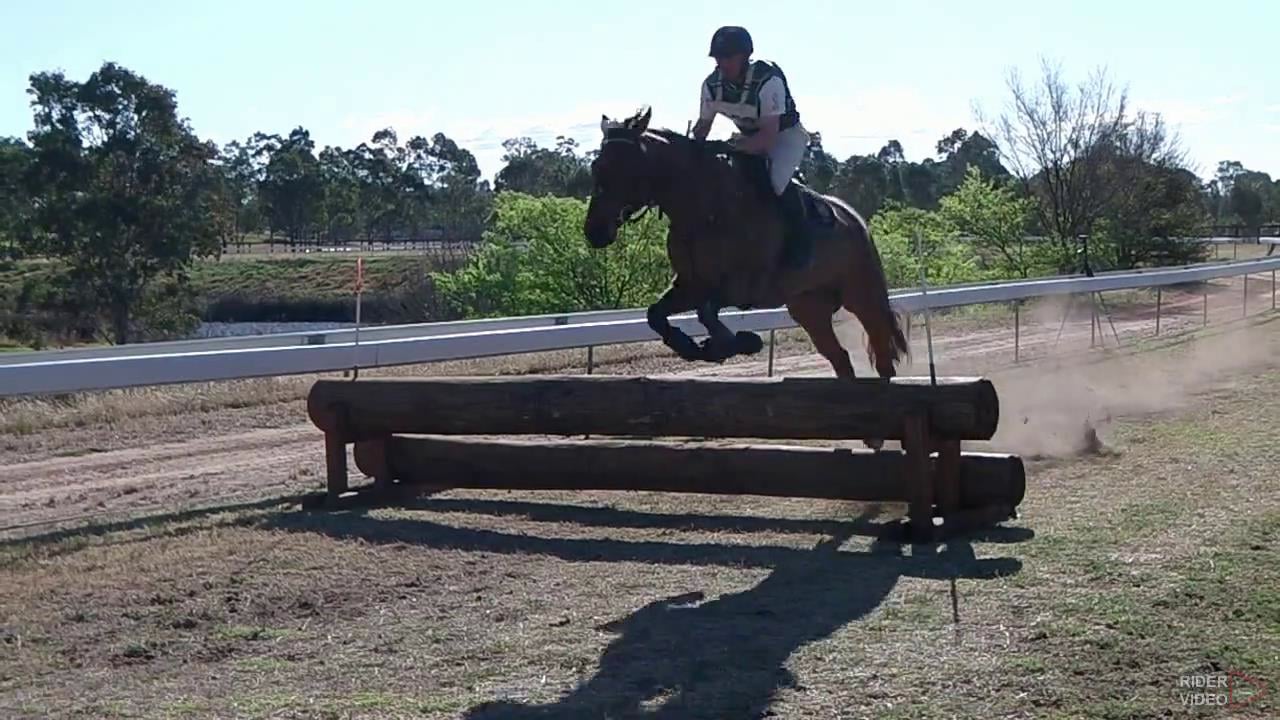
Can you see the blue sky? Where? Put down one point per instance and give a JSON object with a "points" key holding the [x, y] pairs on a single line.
{"points": [[480, 72]]}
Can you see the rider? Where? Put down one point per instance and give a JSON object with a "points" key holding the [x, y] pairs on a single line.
{"points": [[754, 94]]}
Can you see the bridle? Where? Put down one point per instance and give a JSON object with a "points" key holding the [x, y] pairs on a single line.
{"points": [[629, 214]]}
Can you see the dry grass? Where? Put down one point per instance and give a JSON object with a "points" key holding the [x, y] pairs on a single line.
{"points": [[1130, 569]]}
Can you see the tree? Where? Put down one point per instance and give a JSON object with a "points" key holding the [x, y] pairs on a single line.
{"points": [[996, 220], [243, 172], [15, 203], [1151, 203], [818, 167], [291, 188], [1061, 144], [461, 201], [541, 171], [962, 150], [862, 181], [127, 193]]}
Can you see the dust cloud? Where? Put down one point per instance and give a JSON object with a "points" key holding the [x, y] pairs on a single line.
{"points": [[1065, 402], [1051, 409]]}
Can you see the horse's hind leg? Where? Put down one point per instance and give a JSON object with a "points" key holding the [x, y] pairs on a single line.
{"points": [[813, 311]]}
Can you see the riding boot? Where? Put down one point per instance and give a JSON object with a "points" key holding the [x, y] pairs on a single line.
{"points": [[798, 246]]}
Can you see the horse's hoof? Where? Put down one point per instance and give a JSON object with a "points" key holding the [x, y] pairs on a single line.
{"points": [[717, 351], [687, 349], [747, 343], [874, 444]]}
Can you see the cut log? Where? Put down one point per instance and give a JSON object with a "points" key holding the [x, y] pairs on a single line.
{"points": [[766, 408], [985, 479]]}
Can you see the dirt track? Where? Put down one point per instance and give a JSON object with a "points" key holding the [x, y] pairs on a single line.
{"points": [[171, 462]]}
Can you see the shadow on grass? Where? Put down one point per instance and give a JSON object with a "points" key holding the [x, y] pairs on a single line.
{"points": [[89, 527], [687, 656]]}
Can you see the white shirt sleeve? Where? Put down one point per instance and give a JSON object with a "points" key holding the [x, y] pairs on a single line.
{"points": [[773, 97], [706, 111]]}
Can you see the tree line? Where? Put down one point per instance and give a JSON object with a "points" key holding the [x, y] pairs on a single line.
{"points": [[116, 185]]}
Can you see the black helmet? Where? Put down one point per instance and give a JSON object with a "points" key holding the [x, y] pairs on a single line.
{"points": [[731, 40]]}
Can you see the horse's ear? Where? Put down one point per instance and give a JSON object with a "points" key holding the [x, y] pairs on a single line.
{"points": [[642, 118], [606, 124]]}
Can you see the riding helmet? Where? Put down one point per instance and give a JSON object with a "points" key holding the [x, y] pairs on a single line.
{"points": [[731, 40]]}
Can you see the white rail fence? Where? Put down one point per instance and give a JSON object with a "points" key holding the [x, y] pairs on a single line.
{"points": [[331, 351]]}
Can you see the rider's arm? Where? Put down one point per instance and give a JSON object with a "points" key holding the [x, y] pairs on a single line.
{"points": [[706, 115], [773, 101]]}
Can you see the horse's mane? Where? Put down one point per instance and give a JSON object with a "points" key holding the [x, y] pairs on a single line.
{"points": [[669, 135]]}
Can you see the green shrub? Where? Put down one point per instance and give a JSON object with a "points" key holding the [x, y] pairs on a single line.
{"points": [[534, 259]]}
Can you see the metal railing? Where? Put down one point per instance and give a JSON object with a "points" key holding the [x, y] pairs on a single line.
{"points": [[301, 353]]}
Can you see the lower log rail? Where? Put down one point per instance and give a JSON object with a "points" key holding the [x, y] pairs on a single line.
{"points": [[986, 485]]}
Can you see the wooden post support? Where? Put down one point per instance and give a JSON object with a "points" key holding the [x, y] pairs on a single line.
{"points": [[335, 452], [772, 341], [919, 481], [947, 478]]}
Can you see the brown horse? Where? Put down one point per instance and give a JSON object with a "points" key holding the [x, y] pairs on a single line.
{"points": [[725, 241]]}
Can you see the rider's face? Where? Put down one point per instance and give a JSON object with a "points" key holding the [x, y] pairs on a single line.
{"points": [[732, 66]]}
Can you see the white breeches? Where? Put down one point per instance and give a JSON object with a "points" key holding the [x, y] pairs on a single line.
{"points": [[786, 155]]}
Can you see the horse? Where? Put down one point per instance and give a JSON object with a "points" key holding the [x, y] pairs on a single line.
{"points": [[725, 242]]}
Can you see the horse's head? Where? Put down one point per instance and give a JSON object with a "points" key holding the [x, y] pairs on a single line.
{"points": [[622, 178]]}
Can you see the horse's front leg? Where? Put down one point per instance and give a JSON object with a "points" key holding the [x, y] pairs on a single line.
{"points": [[723, 342], [676, 299]]}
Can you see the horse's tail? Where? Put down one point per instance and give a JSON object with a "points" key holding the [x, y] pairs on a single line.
{"points": [[868, 298], [900, 348]]}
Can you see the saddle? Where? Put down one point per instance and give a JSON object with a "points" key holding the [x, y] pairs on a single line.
{"points": [[817, 212]]}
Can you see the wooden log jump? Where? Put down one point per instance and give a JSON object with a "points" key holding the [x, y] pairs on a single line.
{"points": [[383, 417]]}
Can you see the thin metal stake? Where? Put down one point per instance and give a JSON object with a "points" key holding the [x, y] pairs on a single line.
{"points": [[924, 297], [1093, 321], [1244, 307], [591, 358], [1206, 305], [1017, 327], [355, 347], [1273, 289]]}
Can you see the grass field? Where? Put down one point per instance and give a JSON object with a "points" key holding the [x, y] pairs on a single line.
{"points": [[1153, 560]]}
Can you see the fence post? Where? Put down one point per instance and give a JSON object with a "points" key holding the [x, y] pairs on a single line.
{"points": [[1244, 307], [771, 341], [591, 358], [1159, 297], [1273, 289], [1206, 304]]}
